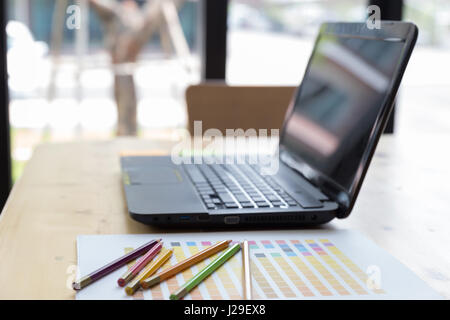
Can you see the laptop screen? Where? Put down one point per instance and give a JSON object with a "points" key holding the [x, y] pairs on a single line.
{"points": [[342, 93]]}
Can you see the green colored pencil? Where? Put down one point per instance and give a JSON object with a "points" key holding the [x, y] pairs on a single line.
{"points": [[206, 271]]}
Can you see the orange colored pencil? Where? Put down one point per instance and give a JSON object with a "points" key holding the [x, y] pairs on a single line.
{"points": [[172, 271]]}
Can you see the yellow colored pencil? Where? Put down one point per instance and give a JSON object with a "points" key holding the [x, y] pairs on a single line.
{"points": [[161, 258]]}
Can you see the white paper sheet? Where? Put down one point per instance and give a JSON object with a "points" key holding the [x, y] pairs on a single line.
{"points": [[329, 264]]}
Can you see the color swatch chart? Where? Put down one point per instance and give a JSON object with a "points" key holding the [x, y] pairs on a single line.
{"points": [[281, 269], [284, 265]]}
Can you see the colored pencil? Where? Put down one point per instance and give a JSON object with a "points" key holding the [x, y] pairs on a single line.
{"points": [[170, 272], [246, 272], [110, 267], [139, 265], [205, 272], [160, 259]]}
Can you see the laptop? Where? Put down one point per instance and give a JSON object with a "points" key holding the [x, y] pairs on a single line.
{"points": [[329, 135]]}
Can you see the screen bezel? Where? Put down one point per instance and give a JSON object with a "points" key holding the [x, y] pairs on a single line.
{"points": [[389, 31]]}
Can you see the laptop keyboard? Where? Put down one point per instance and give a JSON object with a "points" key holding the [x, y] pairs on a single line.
{"points": [[236, 186]]}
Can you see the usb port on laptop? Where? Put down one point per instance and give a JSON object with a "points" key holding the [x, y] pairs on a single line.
{"points": [[185, 218]]}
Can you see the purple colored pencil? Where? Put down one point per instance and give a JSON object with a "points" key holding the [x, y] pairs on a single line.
{"points": [[110, 267]]}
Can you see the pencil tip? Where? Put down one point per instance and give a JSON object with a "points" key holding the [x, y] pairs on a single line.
{"points": [[150, 282], [121, 282], [129, 291], [229, 241], [76, 285]]}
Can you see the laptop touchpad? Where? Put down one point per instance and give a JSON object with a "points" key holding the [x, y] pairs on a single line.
{"points": [[155, 175]]}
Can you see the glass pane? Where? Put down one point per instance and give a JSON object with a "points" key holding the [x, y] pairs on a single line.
{"points": [[424, 101], [269, 41], [73, 64]]}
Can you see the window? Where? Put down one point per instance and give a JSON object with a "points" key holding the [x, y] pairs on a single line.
{"points": [[64, 86], [270, 41]]}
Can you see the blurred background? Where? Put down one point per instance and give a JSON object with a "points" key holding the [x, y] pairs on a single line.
{"points": [[65, 83]]}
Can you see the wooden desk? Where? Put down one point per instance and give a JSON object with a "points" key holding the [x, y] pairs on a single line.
{"points": [[71, 189]]}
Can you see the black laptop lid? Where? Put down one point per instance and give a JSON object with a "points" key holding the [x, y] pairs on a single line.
{"points": [[340, 109]]}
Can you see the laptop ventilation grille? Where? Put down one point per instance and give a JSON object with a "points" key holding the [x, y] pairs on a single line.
{"points": [[275, 218]]}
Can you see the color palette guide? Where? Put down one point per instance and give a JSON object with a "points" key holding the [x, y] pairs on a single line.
{"points": [[326, 264]]}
